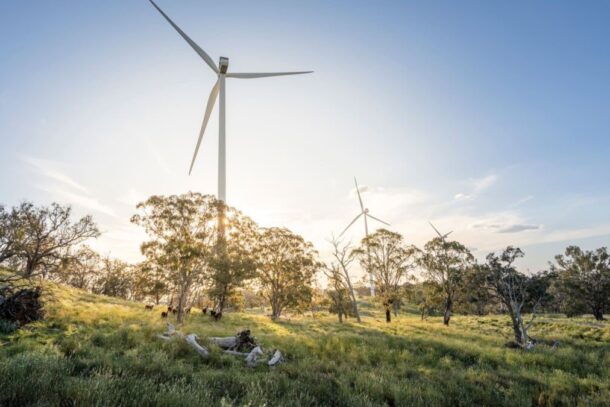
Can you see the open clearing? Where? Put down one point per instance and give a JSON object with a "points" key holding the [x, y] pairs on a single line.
{"points": [[95, 350]]}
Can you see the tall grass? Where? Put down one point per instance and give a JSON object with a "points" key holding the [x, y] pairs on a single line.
{"points": [[100, 351]]}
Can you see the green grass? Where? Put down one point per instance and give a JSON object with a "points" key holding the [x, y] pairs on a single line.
{"points": [[101, 351]]}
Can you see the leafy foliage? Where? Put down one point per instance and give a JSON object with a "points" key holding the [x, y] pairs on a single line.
{"points": [[583, 280], [389, 259], [445, 263], [285, 269], [37, 239], [183, 231]]}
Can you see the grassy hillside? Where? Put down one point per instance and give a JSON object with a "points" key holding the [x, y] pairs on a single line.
{"points": [[94, 350]]}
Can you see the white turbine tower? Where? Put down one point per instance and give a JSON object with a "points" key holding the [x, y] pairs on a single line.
{"points": [[218, 88], [364, 212]]}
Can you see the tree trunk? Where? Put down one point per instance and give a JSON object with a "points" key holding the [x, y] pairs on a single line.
{"points": [[447, 315], [395, 306], [340, 313], [355, 307], [181, 302], [275, 310], [29, 268], [388, 315], [352, 295], [220, 305]]}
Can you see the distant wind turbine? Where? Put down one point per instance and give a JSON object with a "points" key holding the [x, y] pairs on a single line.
{"points": [[364, 212], [443, 237], [218, 88]]}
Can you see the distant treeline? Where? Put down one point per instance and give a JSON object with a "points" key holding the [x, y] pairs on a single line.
{"points": [[202, 252]]}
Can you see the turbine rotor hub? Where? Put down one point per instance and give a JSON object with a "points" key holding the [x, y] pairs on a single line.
{"points": [[223, 65]]}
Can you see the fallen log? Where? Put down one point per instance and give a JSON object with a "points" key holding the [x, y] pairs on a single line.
{"points": [[276, 359], [230, 346], [224, 342], [253, 356], [171, 330], [243, 341], [202, 350]]}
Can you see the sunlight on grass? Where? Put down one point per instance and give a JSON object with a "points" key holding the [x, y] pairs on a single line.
{"points": [[94, 349]]}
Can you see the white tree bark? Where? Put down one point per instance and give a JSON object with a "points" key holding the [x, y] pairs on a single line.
{"points": [[171, 331], [224, 342], [253, 356], [276, 359], [202, 350]]}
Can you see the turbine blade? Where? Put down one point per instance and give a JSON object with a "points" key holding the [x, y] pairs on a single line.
{"points": [[358, 192], [436, 230], [350, 224], [192, 43], [447, 234], [206, 117], [263, 74], [377, 219]]}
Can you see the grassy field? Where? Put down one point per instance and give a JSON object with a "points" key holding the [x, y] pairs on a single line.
{"points": [[94, 350]]}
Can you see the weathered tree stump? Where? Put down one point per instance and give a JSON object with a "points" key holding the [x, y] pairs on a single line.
{"points": [[23, 307]]}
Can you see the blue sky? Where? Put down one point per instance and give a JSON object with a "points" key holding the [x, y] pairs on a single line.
{"points": [[488, 118]]}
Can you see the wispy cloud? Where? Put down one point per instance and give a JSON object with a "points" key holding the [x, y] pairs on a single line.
{"points": [[387, 201], [157, 156], [50, 169], [77, 199], [131, 198], [477, 186], [519, 228], [521, 201], [63, 187]]}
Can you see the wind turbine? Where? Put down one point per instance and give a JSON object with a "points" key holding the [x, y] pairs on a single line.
{"points": [[364, 212], [218, 88], [443, 237]]}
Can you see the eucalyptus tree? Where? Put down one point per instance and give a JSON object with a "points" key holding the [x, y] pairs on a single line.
{"points": [[115, 279], [386, 256], [344, 256], [234, 261], [515, 290], [445, 263], [79, 269], [336, 290], [9, 233], [182, 231], [286, 266], [46, 234], [583, 277], [426, 295]]}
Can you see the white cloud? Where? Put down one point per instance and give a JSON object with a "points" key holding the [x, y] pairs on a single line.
{"points": [[49, 169], [521, 201], [477, 186], [64, 187], [518, 228], [131, 198], [77, 199]]}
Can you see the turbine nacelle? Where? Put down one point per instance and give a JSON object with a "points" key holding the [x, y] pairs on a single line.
{"points": [[364, 212], [223, 64]]}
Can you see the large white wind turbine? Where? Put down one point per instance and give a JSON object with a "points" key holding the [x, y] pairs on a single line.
{"points": [[218, 88], [443, 237], [364, 212]]}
